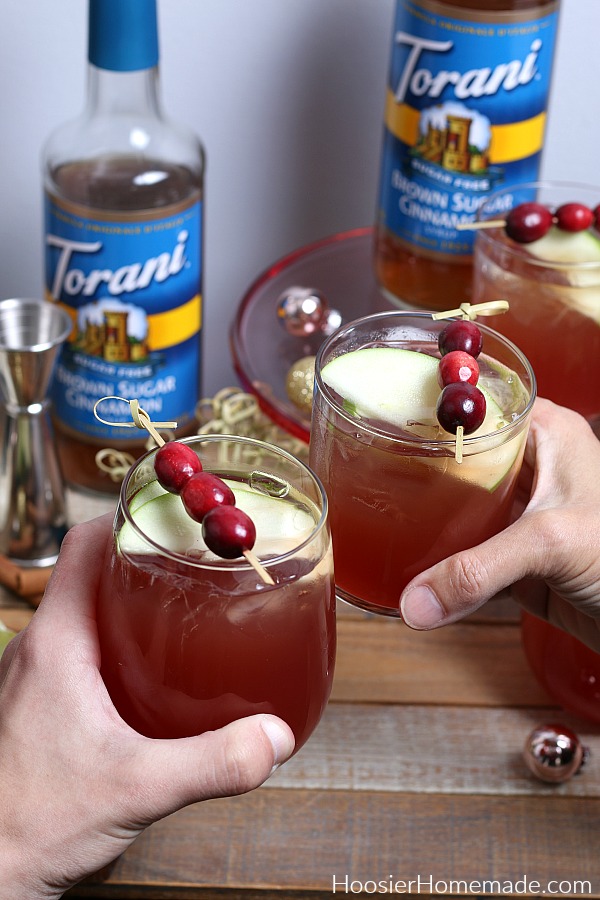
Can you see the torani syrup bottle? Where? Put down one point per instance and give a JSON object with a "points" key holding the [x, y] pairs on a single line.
{"points": [[465, 114], [123, 248]]}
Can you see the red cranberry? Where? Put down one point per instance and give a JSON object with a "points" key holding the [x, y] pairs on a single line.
{"points": [[457, 366], [574, 217], [528, 222], [596, 214], [228, 531], [202, 492], [174, 464], [460, 334], [463, 404]]}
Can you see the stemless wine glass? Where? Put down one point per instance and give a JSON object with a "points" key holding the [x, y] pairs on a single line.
{"points": [[190, 641], [554, 314], [399, 501]]}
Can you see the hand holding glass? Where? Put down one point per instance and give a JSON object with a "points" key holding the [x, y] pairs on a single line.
{"points": [[191, 641]]}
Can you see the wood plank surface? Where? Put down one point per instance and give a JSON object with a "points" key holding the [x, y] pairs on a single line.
{"points": [[381, 660], [436, 750], [294, 840]]}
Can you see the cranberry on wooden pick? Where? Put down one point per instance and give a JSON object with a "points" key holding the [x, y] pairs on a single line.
{"points": [[457, 366], [228, 531], [202, 492], [174, 464], [463, 404], [460, 334], [574, 217], [528, 222]]}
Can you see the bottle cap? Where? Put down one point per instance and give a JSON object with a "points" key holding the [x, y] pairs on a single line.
{"points": [[123, 34]]}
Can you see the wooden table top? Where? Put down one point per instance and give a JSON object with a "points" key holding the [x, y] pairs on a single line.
{"points": [[414, 774]]}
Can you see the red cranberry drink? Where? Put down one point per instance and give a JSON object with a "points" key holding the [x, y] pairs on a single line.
{"points": [[393, 393], [568, 670], [544, 258], [192, 635]]}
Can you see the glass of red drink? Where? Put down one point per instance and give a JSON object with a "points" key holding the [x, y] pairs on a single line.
{"points": [[399, 501], [191, 641], [553, 288], [567, 669]]}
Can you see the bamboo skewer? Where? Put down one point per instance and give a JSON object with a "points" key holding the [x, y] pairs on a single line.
{"points": [[142, 420], [483, 223], [458, 451], [472, 310], [257, 565]]}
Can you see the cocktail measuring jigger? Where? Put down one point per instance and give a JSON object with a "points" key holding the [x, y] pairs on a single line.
{"points": [[32, 505]]}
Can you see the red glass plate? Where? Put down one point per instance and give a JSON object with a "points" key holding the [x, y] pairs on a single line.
{"points": [[340, 267]]}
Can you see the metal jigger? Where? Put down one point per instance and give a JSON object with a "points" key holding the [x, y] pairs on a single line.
{"points": [[32, 505]]}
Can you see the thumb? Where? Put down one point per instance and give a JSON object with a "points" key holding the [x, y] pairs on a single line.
{"points": [[462, 583], [232, 760]]}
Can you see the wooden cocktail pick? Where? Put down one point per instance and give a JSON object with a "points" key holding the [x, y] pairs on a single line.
{"points": [[142, 420], [472, 310], [483, 223]]}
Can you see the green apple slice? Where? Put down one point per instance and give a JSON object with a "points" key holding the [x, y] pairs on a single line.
{"points": [[582, 250], [559, 246], [148, 492], [584, 300], [387, 384], [399, 387], [6, 635], [281, 524]]}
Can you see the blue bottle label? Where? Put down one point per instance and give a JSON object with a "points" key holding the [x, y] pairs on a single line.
{"points": [[465, 115], [131, 283]]}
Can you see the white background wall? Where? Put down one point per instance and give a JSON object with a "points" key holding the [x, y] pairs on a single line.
{"points": [[287, 96]]}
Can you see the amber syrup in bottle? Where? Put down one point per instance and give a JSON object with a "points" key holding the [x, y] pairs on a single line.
{"points": [[123, 250], [465, 113]]}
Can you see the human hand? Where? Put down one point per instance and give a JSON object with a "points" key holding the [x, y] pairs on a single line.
{"points": [[77, 784], [550, 553]]}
